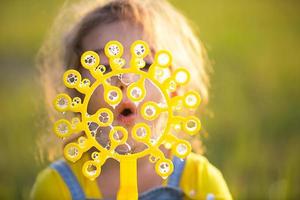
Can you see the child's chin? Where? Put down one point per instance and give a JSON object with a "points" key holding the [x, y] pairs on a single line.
{"points": [[123, 149]]}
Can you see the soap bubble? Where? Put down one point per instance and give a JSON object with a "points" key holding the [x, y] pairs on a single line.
{"points": [[72, 79], [91, 169], [191, 124], [164, 167], [181, 77], [150, 111], [90, 60], [73, 151], [62, 102], [181, 148], [191, 100], [163, 59], [63, 128], [136, 92], [124, 149], [139, 50], [104, 117], [114, 50], [141, 132], [92, 126]]}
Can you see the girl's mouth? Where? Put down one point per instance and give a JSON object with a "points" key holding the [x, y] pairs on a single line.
{"points": [[126, 113]]}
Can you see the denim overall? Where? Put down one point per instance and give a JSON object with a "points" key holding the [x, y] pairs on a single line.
{"points": [[169, 192]]}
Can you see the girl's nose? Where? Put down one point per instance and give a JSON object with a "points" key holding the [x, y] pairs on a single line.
{"points": [[124, 80]]}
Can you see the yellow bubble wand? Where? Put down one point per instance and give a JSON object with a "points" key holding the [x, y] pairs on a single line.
{"points": [[136, 92]]}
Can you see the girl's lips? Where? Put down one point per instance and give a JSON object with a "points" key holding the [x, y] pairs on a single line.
{"points": [[126, 112]]}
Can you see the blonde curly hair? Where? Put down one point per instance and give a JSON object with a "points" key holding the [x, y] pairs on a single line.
{"points": [[163, 24]]}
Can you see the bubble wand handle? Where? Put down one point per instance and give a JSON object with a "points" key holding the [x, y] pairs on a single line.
{"points": [[128, 180]]}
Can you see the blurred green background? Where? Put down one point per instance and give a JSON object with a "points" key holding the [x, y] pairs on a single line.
{"points": [[254, 126]]}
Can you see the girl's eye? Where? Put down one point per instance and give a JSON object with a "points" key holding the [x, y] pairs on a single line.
{"points": [[146, 68], [108, 69]]}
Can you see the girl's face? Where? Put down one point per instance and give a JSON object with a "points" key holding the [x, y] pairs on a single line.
{"points": [[126, 113]]}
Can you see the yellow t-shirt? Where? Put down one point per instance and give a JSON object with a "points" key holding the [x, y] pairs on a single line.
{"points": [[199, 180]]}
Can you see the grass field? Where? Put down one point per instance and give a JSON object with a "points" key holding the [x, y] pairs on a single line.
{"points": [[253, 126]]}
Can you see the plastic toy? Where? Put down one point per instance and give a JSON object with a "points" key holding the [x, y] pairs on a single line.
{"points": [[104, 117]]}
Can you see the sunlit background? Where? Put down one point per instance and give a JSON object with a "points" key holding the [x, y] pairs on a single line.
{"points": [[253, 125]]}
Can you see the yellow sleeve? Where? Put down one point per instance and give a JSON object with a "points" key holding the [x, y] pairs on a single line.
{"points": [[49, 185], [201, 180], [215, 183]]}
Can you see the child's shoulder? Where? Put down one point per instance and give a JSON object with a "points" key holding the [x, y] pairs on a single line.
{"points": [[200, 179], [49, 185], [51, 182]]}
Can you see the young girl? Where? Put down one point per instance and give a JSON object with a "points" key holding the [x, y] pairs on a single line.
{"points": [[89, 25]]}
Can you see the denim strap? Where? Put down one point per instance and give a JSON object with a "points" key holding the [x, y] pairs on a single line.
{"points": [[174, 179], [66, 173]]}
